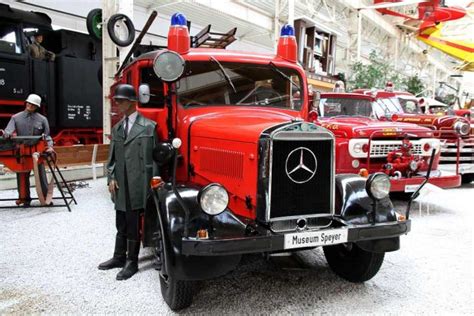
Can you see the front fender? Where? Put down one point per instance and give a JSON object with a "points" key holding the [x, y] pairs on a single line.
{"points": [[171, 216], [355, 207]]}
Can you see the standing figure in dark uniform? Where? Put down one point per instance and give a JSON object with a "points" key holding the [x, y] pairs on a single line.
{"points": [[130, 168], [29, 123]]}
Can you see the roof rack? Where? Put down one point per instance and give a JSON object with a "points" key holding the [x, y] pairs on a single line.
{"points": [[207, 39]]}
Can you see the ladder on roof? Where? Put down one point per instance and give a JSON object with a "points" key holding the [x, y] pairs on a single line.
{"points": [[207, 39]]}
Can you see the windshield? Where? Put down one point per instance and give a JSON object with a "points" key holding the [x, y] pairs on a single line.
{"points": [[382, 107], [330, 107], [439, 109], [410, 106], [215, 83]]}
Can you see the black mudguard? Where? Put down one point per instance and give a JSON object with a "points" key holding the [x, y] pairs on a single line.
{"points": [[356, 207], [165, 207]]}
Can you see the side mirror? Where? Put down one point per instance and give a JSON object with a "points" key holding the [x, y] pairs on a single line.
{"points": [[144, 93]]}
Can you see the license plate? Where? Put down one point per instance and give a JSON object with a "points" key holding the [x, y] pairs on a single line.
{"points": [[316, 238], [409, 188]]}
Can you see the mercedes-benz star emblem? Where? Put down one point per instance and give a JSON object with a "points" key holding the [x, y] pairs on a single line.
{"points": [[301, 165]]}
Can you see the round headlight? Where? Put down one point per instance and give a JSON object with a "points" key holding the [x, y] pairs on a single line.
{"points": [[378, 185], [462, 128], [168, 66], [357, 147], [213, 199], [413, 165]]}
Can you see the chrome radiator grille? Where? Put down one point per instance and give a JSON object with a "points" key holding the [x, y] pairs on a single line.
{"points": [[449, 152], [298, 180], [383, 148]]}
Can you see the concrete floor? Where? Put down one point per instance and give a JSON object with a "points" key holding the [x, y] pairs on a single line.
{"points": [[49, 257]]}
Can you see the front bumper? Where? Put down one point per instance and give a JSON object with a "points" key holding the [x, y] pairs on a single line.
{"points": [[272, 242], [464, 168], [443, 180]]}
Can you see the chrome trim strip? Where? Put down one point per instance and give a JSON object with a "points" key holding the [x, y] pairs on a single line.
{"points": [[309, 226], [461, 158], [270, 175]]}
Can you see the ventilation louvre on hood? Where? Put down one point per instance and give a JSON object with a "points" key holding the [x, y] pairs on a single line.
{"points": [[222, 162]]}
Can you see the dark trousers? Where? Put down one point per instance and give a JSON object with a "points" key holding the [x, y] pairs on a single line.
{"points": [[23, 183], [128, 224]]}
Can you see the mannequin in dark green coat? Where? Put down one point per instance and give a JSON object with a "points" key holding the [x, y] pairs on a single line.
{"points": [[130, 168]]}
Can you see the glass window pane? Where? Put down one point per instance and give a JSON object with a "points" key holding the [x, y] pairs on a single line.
{"points": [[9, 38], [345, 106], [157, 100], [206, 84]]}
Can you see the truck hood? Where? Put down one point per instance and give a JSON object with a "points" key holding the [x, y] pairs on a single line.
{"points": [[446, 121], [357, 127], [236, 124]]}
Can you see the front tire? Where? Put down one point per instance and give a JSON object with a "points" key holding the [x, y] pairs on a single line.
{"points": [[467, 178], [353, 263], [178, 294]]}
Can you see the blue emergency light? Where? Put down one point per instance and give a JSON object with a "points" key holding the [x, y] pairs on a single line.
{"points": [[178, 19], [287, 30]]}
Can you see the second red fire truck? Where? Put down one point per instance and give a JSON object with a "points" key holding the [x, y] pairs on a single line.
{"points": [[367, 145], [454, 132]]}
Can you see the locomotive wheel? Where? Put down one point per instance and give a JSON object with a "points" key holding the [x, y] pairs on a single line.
{"points": [[94, 23], [353, 263], [113, 28]]}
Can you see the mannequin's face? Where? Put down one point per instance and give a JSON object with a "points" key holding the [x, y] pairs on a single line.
{"points": [[31, 107], [124, 105]]}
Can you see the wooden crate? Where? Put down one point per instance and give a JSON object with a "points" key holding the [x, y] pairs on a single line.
{"points": [[81, 155]]}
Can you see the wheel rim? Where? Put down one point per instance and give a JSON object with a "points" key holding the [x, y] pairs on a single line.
{"points": [[97, 25]]}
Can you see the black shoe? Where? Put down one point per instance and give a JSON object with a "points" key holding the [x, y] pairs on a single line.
{"points": [[131, 265], [118, 260], [112, 263], [128, 271]]}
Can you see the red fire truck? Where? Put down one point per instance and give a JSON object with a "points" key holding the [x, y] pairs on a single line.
{"points": [[400, 150], [433, 106], [457, 139], [428, 105], [241, 172]]}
